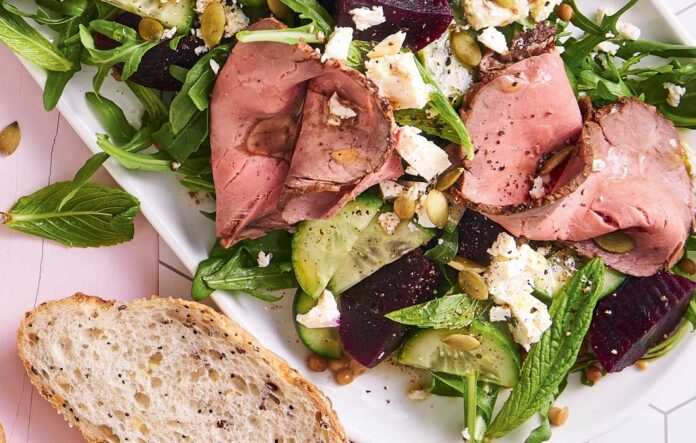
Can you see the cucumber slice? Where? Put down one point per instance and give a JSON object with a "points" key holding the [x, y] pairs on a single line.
{"points": [[612, 280], [322, 341], [319, 246], [170, 14], [375, 249], [496, 360]]}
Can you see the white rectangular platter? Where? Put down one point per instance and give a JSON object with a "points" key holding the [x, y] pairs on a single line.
{"points": [[375, 407]]}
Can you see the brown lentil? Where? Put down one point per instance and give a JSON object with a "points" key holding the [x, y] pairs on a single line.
{"points": [[593, 373], [687, 265], [565, 12], [642, 365], [317, 363], [337, 365], [344, 376], [558, 416]]}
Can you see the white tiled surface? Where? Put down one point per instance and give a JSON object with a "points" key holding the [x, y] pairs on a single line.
{"points": [[668, 419]]}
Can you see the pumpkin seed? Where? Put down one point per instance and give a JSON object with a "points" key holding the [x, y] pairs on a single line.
{"points": [[150, 29], [473, 284], [617, 242], [462, 342], [508, 4], [9, 139], [280, 10], [446, 180], [465, 48], [565, 12], [687, 265], [437, 208], [404, 207], [555, 160], [461, 264], [213, 24]]}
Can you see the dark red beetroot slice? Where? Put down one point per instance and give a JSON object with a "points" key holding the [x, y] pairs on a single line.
{"points": [[641, 313], [422, 20], [367, 335], [476, 234]]}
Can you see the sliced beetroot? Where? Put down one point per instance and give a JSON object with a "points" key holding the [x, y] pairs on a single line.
{"points": [[640, 314], [422, 20], [476, 234], [367, 335]]}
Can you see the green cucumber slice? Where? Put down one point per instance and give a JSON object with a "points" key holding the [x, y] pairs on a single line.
{"points": [[170, 14], [322, 341], [496, 360], [319, 246], [374, 249], [612, 280]]}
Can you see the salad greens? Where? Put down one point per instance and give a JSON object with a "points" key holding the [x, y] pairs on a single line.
{"points": [[319, 27], [448, 312]]}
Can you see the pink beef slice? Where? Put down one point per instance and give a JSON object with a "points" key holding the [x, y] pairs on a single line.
{"points": [[332, 164], [255, 112], [526, 110], [628, 174]]}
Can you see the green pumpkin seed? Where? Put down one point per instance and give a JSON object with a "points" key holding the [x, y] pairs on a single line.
{"points": [[9, 139], [465, 48], [150, 29], [617, 242], [446, 180], [462, 342], [461, 264], [437, 208], [506, 3], [555, 160], [404, 207], [213, 24], [473, 284]]}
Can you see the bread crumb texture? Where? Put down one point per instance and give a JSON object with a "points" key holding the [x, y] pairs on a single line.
{"points": [[166, 370]]}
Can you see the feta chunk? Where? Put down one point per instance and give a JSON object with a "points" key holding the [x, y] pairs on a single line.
{"points": [[214, 66], [391, 45], [674, 93], [540, 10], [451, 75], [466, 435], [338, 111], [510, 279], [493, 39], [338, 45], [427, 158], [365, 18], [484, 13], [415, 189], [235, 20], [537, 190], [389, 221], [418, 394], [324, 315], [598, 165], [264, 259], [399, 80], [628, 31], [608, 47], [499, 313], [601, 13], [390, 190], [169, 33]]}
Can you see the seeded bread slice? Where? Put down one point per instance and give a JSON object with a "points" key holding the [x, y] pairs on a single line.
{"points": [[166, 370]]}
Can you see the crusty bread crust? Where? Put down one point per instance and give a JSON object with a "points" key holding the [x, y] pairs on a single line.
{"points": [[327, 427], [2, 434]]}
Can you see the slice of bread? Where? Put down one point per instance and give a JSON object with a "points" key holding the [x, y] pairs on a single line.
{"points": [[166, 370]]}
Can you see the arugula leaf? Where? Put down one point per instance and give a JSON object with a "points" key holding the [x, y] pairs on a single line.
{"points": [[25, 41], [549, 360], [630, 47], [95, 216], [447, 246], [157, 162], [152, 102], [312, 10], [73, 8], [448, 312], [653, 90], [320, 26], [188, 140], [41, 16], [111, 117]]}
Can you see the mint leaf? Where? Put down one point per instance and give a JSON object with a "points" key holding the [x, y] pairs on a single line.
{"points": [[448, 312], [94, 216], [447, 246], [550, 360]]}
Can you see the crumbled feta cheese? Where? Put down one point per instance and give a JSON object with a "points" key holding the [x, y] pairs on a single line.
{"points": [[451, 75], [338, 111], [235, 20], [540, 10], [410, 171], [674, 93], [601, 13], [202, 49], [422, 214], [499, 313], [466, 435], [415, 189], [202, 4], [264, 259], [598, 165], [365, 18], [483, 13], [510, 280], [538, 190], [399, 80], [390, 190], [418, 394], [609, 34], [628, 31], [338, 45], [427, 158], [391, 45], [608, 47], [324, 315], [493, 39], [169, 33], [389, 221], [214, 66]]}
